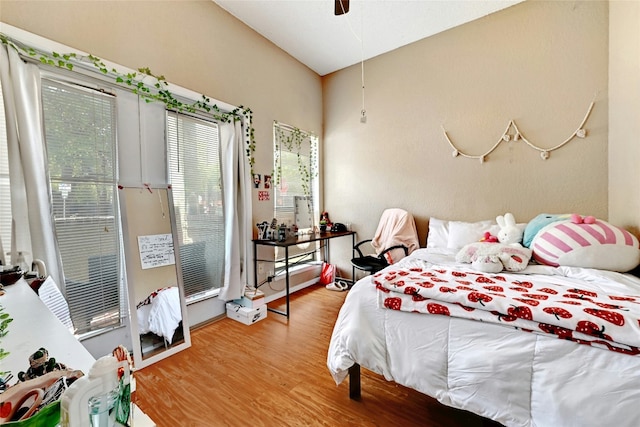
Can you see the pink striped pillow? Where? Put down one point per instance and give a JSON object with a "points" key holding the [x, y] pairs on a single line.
{"points": [[598, 245]]}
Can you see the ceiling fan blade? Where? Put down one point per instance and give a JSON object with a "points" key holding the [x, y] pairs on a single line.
{"points": [[341, 7]]}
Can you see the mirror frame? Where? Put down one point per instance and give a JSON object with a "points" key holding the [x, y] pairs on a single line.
{"points": [[132, 255]]}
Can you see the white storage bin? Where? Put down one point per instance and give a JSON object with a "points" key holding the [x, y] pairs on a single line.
{"points": [[246, 315]]}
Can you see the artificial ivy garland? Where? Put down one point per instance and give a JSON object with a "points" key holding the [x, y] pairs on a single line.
{"points": [[158, 91], [292, 142]]}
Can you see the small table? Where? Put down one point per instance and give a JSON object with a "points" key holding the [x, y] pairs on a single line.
{"points": [[35, 326], [292, 241]]}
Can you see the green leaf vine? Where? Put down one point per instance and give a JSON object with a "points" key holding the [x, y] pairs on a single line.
{"points": [[5, 319], [157, 90], [292, 140]]}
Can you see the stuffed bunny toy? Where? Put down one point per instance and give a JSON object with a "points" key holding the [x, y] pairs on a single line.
{"points": [[509, 232], [508, 254]]}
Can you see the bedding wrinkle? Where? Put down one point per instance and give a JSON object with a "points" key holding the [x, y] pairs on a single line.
{"points": [[356, 336]]}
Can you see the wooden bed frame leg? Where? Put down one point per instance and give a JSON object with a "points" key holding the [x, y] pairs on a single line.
{"points": [[354, 381]]}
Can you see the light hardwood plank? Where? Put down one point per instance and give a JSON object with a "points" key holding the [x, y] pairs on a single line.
{"points": [[274, 373]]}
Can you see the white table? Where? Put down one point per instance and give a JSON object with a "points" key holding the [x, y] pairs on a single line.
{"points": [[35, 326]]}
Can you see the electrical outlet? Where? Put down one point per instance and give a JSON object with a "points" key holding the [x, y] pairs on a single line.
{"points": [[271, 273]]}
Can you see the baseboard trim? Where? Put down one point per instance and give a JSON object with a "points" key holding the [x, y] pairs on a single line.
{"points": [[292, 289]]}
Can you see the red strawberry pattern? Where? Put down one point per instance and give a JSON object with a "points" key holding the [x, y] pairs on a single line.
{"points": [[609, 316], [618, 298], [583, 292], [479, 297], [591, 328], [393, 303], [523, 284], [434, 308], [521, 311], [541, 304], [558, 312], [502, 317], [561, 332], [465, 307]]}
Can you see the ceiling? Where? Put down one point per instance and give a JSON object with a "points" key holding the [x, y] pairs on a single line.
{"points": [[310, 32]]}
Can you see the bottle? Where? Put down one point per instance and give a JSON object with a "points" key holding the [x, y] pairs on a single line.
{"points": [[20, 261], [91, 399]]}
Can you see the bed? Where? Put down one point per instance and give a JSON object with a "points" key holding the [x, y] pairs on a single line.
{"points": [[160, 313], [514, 367]]}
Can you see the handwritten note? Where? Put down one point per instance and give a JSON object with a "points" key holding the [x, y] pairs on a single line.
{"points": [[156, 250]]}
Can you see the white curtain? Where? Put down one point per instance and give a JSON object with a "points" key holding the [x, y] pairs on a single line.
{"points": [[238, 215], [33, 231]]}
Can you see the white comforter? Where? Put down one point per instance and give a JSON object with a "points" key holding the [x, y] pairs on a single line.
{"points": [[513, 377]]}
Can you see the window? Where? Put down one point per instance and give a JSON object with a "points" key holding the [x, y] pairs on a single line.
{"points": [[196, 182], [295, 182], [80, 136]]}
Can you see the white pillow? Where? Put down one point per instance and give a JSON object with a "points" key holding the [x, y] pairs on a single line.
{"points": [[463, 233], [438, 235], [456, 234]]}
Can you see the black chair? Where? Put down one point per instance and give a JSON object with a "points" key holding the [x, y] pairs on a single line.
{"points": [[372, 263], [397, 229]]}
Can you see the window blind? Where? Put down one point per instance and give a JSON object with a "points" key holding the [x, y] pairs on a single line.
{"points": [[196, 182], [80, 136]]}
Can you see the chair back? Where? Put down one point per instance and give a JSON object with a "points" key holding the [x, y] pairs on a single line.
{"points": [[396, 227]]}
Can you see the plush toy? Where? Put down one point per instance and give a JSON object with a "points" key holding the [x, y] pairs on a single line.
{"points": [[507, 254], [577, 241], [39, 364], [538, 223], [489, 238]]}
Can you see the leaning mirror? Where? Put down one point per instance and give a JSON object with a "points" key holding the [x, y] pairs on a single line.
{"points": [[157, 305]]}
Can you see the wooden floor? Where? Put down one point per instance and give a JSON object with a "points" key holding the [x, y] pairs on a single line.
{"points": [[274, 373]]}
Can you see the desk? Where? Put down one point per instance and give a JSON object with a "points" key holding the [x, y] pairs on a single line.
{"points": [[292, 241], [35, 326]]}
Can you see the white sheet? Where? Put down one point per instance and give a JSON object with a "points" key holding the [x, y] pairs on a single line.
{"points": [[162, 314], [513, 377]]}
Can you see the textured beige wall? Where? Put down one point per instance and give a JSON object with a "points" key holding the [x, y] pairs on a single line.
{"points": [[624, 114], [194, 44], [538, 63]]}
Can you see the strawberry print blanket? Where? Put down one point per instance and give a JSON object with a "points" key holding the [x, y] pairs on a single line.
{"points": [[537, 304]]}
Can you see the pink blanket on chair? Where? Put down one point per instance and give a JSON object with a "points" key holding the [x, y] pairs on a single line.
{"points": [[396, 227]]}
